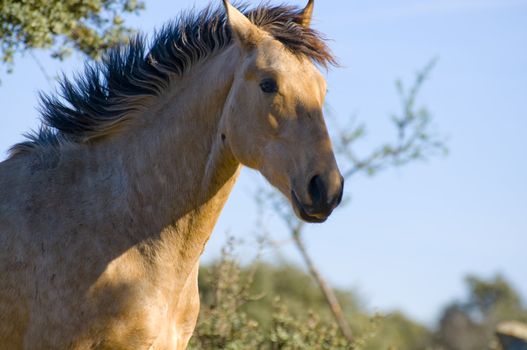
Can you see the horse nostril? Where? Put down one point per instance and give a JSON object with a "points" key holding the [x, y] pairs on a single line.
{"points": [[316, 189]]}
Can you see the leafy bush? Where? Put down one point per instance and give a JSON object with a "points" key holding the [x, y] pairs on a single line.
{"points": [[262, 306], [268, 307]]}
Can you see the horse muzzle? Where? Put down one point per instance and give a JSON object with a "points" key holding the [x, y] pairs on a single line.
{"points": [[321, 201]]}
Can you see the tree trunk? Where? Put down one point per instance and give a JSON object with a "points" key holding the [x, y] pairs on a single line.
{"points": [[330, 296]]}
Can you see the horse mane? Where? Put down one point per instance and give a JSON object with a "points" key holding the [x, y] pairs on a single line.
{"points": [[98, 102]]}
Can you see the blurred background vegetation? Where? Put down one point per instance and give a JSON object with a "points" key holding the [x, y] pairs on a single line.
{"points": [[267, 306], [260, 305]]}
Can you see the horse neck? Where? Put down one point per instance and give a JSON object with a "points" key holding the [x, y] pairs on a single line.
{"points": [[177, 170]]}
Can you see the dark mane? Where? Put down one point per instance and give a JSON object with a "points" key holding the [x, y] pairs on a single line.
{"points": [[94, 104]]}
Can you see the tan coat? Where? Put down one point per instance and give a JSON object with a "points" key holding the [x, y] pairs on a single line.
{"points": [[100, 242]]}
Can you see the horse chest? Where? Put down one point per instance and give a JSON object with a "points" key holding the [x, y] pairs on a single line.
{"points": [[152, 319], [168, 326], [145, 323]]}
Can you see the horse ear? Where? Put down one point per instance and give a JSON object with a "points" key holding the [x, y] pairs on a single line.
{"points": [[243, 30], [307, 13]]}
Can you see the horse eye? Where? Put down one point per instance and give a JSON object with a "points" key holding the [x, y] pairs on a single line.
{"points": [[269, 86]]}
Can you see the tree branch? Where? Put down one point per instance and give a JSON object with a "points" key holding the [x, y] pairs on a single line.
{"points": [[328, 293]]}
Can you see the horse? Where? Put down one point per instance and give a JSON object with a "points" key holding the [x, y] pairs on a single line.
{"points": [[107, 207]]}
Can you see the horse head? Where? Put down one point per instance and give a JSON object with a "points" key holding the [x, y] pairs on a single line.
{"points": [[273, 117]]}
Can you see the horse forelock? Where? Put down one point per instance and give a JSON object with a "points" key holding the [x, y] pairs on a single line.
{"points": [[98, 102]]}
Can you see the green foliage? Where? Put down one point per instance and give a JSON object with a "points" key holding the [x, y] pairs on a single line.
{"points": [[471, 324], [242, 310], [262, 306], [397, 332], [88, 26], [222, 323], [268, 307], [493, 299], [290, 332]]}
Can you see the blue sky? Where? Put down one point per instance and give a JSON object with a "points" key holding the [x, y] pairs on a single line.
{"points": [[410, 235]]}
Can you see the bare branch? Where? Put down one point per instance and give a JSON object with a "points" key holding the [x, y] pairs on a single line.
{"points": [[329, 295], [415, 138]]}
